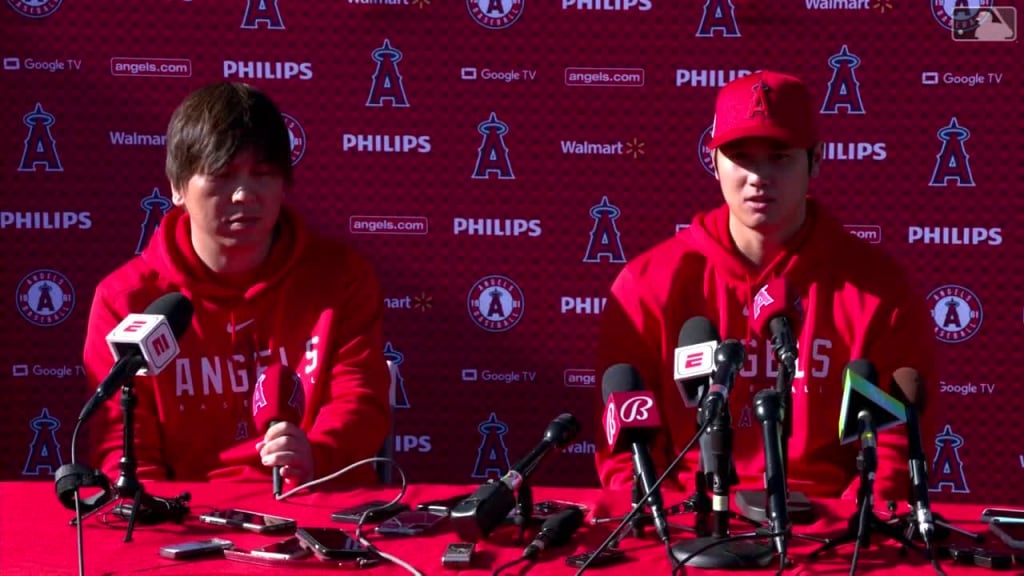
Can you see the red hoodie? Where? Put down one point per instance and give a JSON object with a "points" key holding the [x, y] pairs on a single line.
{"points": [[857, 303], [314, 305]]}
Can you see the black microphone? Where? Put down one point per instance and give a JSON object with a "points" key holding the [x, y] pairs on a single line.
{"points": [[148, 340], [475, 517], [768, 409], [555, 531], [868, 442], [631, 418], [909, 388], [729, 357]]}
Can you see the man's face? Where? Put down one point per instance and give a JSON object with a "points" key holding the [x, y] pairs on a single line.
{"points": [[764, 182], [236, 208]]}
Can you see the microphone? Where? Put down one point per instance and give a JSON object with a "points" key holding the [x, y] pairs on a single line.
{"points": [[868, 435], [695, 359], [143, 344], [630, 419], [768, 410], [774, 312], [278, 396], [860, 394], [729, 358], [555, 531], [475, 517], [908, 384]]}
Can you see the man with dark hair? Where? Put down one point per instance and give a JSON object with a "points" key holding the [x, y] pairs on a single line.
{"points": [[855, 301], [266, 290]]}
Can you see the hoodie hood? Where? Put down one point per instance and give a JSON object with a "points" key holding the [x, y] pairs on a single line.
{"points": [[170, 251]]}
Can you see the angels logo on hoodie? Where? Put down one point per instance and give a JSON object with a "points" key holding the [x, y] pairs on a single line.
{"points": [[387, 82], [604, 237], [262, 12], [154, 206], [492, 455], [40, 148], [43, 451], [952, 161], [843, 88], [492, 156], [947, 467], [399, 399], [719, 15]]}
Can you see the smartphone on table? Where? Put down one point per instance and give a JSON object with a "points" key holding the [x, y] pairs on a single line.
{"points": [[195, 548], [287, 549], [378, 510], [411, 523], [1004, 514], [331, 543], [442, 506], [248, 520]]}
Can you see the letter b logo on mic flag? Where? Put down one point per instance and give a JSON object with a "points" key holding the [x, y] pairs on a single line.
{"points": [[629, 410]]}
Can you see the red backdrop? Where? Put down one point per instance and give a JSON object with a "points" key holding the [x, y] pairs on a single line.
{"points": [[499, 161]]}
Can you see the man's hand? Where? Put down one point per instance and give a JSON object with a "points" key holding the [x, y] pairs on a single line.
{"points": [[286, 445]]}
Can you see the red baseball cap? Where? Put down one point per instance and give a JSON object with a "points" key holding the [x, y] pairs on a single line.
{"points": [[765, 104]]}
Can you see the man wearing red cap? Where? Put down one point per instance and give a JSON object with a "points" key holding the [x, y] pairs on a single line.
{"points": [[853, 301]]}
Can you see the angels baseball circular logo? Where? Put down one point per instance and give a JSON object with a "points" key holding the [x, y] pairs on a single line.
{"points": [[495, 14], [296, 136], [956, 312], [496, 303], [35, 8], [949, 13], [704, 152], [45, 297]]}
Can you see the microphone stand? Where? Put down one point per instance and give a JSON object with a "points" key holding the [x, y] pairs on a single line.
{"points": [[864, 521], [146, 508], [720, 550]]}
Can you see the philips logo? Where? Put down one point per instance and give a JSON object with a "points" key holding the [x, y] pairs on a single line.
{"points": [[583, 305], [951, 236], [700, 78], [607, 5], [496, 227], [853, 151], [268, 70], [385, 143], [45, 220]]}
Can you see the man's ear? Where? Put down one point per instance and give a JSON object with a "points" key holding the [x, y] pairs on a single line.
{"points": [[177, 198], [815, 158], [714, 164]]}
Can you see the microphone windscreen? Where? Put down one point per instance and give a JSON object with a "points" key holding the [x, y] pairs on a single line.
{"points": [[908, 387], [278, 396], [697, 330], [177, 308], [562, 430], [620, 378], [773, 300]]}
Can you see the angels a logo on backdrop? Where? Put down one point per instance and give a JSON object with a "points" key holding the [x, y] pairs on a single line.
{"points": [[45, 297], [943, 11], [492, 156], [947, 467], [604, 237], [492, 455], [387, 81], [496, 303], [956, 311], [495, 14], [399, 399], [40, 148], [35, 8], [719, 16], [704, 152], [843, 88], [154, 207], [952, 161], [296, 137], [43, 451], [262, 12]]}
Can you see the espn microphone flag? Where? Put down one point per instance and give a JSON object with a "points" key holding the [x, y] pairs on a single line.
{"points": [[859, 394], [694, 359], [151, 333]]}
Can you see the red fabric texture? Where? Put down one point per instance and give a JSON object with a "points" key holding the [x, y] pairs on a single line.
{"points": [[315, 305], [856, 301]]}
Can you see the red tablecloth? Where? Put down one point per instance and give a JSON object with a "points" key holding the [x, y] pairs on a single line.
{"points": [[36, 538]]}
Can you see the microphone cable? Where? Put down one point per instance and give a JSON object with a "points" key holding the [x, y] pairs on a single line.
{"points": [[362, 519], [612, 538], [79, 536]]}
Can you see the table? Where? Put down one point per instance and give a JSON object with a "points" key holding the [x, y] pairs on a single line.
{"points": [[36, 538]]}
